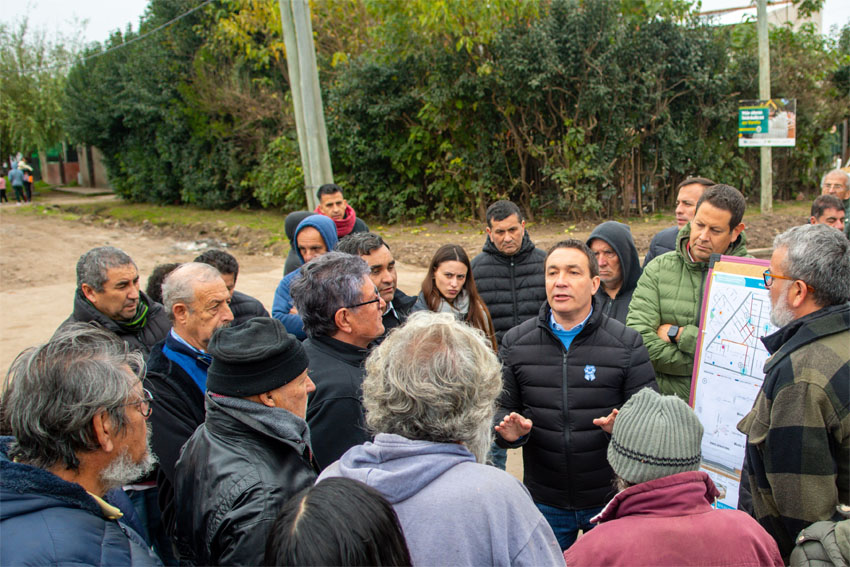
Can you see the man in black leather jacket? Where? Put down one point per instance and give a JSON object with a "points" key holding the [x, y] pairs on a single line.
{"points": [[252, 453]]}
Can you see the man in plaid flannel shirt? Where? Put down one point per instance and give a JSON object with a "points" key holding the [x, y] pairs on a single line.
{"points": [[798, 432]]}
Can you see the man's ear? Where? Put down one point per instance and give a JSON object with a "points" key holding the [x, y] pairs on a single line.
{"points": [[487, 230], [813, 220], [341, 318], [736, 232], [798, 292], [267, 399], [180, 311], [104, 431], [595, 281], [88, 292]]}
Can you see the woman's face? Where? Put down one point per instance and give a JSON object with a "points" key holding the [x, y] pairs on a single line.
{"points": [[450, 277]]}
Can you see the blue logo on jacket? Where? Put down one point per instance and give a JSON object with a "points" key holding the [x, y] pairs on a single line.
{"points": [[590, 373]]}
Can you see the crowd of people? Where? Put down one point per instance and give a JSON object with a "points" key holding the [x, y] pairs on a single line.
{"points": [[358, 425]]}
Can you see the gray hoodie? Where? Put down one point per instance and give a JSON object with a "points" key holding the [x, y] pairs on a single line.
{"points": [[453, 510]]}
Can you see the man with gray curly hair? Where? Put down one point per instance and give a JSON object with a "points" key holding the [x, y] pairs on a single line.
{"points": [[108, 296], [78, 415], [342, 313], [798, 432], [430, 393]]}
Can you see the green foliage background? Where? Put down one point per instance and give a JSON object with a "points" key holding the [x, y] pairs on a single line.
{"points": [[435, 108]]}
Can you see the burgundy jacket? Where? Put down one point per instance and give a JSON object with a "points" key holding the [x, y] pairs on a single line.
{"points": [[670, 521]]}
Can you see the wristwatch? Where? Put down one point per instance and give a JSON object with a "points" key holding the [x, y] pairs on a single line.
{"points": [[672, 332]]}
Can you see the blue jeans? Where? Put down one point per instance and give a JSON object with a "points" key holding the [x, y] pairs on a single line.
{"points": [[567, 523]]}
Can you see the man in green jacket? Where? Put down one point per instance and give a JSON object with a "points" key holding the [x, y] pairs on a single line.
{"points": [[667, 301]]}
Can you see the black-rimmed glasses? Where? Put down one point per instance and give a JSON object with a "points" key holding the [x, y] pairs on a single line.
{"points": [[371, 301], [145, 404]]}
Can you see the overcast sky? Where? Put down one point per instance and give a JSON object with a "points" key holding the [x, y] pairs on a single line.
{"points": [[104, 17]]}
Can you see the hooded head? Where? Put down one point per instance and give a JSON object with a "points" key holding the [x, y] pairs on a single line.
{"points": [[326, 228], [618, 237]]}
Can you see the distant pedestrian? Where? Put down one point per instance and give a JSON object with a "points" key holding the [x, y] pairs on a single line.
{"points": [[27, 173], [16, 178], [3, 197]]}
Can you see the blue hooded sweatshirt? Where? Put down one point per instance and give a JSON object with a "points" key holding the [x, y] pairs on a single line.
{"points": [[282, 296], [453, 510]]}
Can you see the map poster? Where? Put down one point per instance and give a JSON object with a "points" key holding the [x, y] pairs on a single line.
{"points": [[728, 365]]}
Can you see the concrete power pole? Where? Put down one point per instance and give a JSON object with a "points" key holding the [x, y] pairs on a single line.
{"points": [[306, 96], [764, 94]]}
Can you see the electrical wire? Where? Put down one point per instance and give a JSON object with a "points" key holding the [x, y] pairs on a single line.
{"points": [[120, 46]]}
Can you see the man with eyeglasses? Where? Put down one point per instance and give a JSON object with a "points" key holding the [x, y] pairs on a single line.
{"points": [[342, 312], [77, 413], [837, 184], [619, 267], [798, 431]]}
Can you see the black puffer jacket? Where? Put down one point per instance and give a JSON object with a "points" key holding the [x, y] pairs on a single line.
{"points": [[564, 456], [157, 326], [234, 475], [244, 307], [403, 306], [512, 287], [619, 237]]}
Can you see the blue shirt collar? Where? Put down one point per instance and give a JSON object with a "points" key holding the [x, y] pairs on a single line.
{"points": [[577, 329]]}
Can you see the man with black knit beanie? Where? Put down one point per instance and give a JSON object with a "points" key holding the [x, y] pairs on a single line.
{"points": [[253, 450], [664, 514]]}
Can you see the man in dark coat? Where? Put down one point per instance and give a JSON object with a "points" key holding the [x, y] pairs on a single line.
{"points": [[372, 248], [619, 267], [560, 371], [252, 453], [688, 193], [509, 270], [77, 411], [108, 296], [342, 312], [197, 300], [798, 432], [242, 305]]}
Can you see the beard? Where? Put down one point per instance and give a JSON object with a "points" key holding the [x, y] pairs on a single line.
{"points": [[781, 314], [124, 470]]}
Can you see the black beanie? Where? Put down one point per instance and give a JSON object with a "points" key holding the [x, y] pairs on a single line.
{"points": [[252, 358]]}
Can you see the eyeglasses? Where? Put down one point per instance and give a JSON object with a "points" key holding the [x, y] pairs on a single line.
{"points": [[769, 277], [376, 300], [145, 407]]}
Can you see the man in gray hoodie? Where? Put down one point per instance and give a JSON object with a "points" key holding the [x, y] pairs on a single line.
{"points": [[619, 267], [429, 396]]}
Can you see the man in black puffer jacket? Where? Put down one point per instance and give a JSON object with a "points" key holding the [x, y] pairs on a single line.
{"points": [[252, 453], [509, 270], [108, 296], [561, 370]]}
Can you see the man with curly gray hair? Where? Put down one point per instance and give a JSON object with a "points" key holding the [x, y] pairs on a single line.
{"points": [[429, 394], [798, 432]]}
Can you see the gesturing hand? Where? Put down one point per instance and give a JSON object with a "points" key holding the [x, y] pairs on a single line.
{"points": [[513, 426], [607, 422]]}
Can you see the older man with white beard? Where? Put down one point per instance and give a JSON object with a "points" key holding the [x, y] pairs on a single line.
{"points": [[70, 448], [798, 432]]}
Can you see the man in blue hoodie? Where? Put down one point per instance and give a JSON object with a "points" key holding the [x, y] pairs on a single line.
{"points": [[314, 236]]}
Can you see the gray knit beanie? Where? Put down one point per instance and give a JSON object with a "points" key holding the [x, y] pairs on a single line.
{"points": [[252, 358], [654, 436]]}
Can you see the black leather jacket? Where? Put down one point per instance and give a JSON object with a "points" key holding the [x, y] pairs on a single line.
{"points": [[234, 475]]}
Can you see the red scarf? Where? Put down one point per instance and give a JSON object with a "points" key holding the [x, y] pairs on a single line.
{"points": [[345, 225]]}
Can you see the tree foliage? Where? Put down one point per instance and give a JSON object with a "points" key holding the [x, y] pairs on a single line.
{"points": [[436, 108]]}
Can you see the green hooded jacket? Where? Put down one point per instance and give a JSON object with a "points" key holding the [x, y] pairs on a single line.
{"points": [[670, 291]]}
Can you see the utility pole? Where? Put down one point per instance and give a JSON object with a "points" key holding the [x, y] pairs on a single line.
{"points": [[764, 94], [306, 96]]}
